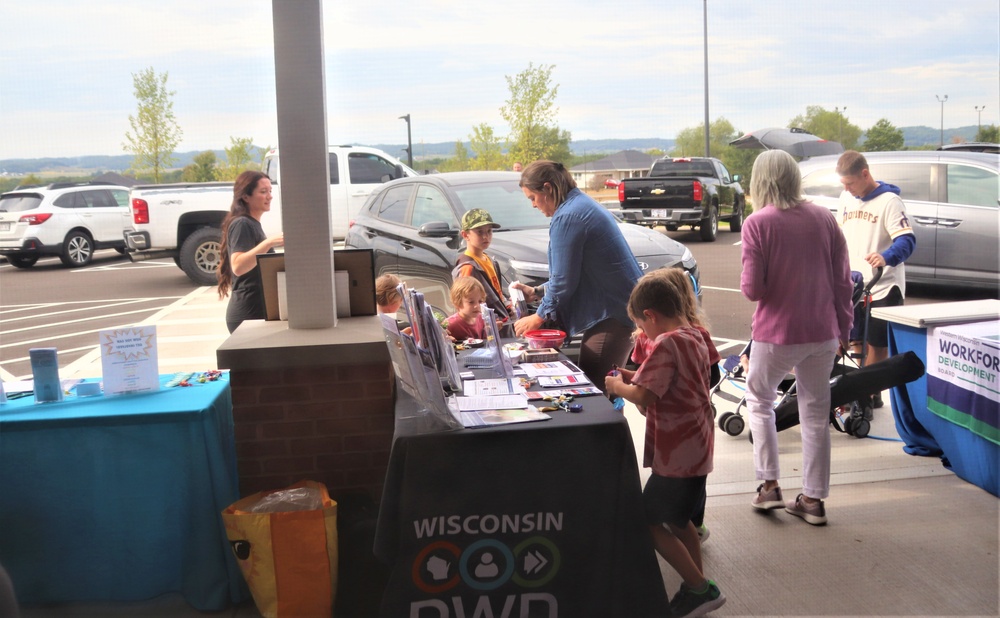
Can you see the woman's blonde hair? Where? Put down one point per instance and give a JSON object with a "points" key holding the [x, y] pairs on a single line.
{"points": [[681, 280], [385, 290], [463, 287], [775, 180]]}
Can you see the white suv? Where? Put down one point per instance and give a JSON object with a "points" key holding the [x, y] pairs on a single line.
{"points": [[63, 219]]}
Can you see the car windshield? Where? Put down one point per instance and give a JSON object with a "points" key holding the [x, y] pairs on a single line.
{"points": [[19, 202], [505, 202]]}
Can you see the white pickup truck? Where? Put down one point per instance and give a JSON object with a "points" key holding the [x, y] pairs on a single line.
{"points": [[183, 220]]}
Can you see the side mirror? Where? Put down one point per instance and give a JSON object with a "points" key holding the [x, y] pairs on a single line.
{"points": [[399, 171], [437, 229], [737, 178]]}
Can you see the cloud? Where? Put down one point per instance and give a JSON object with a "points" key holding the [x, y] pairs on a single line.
{"points": [[631, 68]]}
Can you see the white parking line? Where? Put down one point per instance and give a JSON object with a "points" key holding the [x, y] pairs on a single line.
{"points": [[76, 321], [26, 308], [708, 287]]}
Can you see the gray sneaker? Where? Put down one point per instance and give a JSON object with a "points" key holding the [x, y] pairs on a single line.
{"points": [[767, 500], [813, 512]]}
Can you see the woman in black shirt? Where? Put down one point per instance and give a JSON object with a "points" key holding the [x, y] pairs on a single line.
{"points": [[243, 240]]}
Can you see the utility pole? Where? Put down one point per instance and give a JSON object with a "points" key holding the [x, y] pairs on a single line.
{"points": [[942, 116], [409, 141], [705, 19], [979, 123]]}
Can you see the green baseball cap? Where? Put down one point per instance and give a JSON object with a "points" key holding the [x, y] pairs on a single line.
{"points": [[477, 217]]}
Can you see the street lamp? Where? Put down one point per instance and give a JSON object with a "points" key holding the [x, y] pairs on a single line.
{"points": [[705, 19], [840, 125], [409, 141], [979, 123], [942, 116]]}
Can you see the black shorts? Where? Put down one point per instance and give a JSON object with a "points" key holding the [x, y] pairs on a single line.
{"points": [[878, 330], [674, 501]]}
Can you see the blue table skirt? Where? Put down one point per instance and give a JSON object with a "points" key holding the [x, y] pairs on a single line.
{"points": [[970, 456], [119, 498]]}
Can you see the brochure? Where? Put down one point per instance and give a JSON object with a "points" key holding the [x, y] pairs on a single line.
{"points": [[492, 402], [572, 379], [492, 418], [583, 391], [551, 368], [492, 386]]}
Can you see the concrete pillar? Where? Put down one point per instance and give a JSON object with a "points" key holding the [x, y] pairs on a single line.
{"points": [[305, 173]]}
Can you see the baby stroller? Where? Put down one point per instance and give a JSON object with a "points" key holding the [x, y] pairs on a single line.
{"points": [[858, 406]]}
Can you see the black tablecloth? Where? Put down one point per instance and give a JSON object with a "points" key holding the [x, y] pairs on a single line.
{"points": [[545, 516]]}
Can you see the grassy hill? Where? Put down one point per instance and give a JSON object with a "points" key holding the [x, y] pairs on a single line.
{"points": [[914, 137]]}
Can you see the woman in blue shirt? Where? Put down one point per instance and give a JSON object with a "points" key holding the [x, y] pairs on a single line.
{"points": [[591, 271]]}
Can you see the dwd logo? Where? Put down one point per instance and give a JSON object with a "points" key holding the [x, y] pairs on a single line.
{"points": [[485, 565]]}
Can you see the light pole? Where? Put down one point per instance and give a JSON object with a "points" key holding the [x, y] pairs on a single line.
{"points": [[979, 123], [705, 19], [409, 141], [942, 116], [840, 122]]}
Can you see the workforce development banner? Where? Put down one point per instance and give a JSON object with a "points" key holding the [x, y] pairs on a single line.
{"points": [[963, 364]]}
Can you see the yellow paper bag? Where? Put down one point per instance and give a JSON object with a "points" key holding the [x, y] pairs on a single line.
{"points": [[288, 558]]}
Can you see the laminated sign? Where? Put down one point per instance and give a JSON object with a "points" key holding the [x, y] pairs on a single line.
{"points": [[285, 542]]}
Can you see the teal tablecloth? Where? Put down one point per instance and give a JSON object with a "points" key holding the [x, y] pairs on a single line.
{"points": [[119, 498]]}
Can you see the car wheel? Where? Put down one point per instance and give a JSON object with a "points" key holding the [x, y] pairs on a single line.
{"points": [[200, 255], [736, 223], [78, 250], [710, 226], [671, 227], [22, 261]]}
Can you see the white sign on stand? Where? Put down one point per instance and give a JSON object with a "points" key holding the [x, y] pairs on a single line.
{"points": [[128, 360]]}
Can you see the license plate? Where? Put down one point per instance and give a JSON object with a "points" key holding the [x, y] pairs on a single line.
{"points": [[659, 213], [4, 226]]}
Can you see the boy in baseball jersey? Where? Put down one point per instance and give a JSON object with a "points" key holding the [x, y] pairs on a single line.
{"points": [[878, 233]]}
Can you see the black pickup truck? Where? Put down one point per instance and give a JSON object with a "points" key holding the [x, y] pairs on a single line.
{"points": [[694, 191]]}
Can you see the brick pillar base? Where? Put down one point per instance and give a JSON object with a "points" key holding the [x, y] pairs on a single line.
{"points": [[324, 413]]}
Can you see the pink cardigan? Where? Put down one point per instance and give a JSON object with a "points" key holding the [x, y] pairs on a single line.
{"points": [[796, 267]]}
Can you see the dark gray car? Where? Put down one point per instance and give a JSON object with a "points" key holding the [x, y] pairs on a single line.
{"points": [[412, 224], [952, 200]]}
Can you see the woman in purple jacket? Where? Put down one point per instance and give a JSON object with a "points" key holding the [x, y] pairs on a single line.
{"points": [[796, 267]]}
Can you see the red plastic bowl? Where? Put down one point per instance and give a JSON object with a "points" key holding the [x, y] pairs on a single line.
{"points": [[545, 338]]}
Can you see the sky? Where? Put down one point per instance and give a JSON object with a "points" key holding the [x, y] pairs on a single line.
{"points": [[625, 69]]}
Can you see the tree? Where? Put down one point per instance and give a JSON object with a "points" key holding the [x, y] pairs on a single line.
{"points": [[690, 142], [240, 156], [459, 162], [989, 134], [202, 168], [832, 126], [486, 148], [883, 136], [155, 132], [530, 114]]}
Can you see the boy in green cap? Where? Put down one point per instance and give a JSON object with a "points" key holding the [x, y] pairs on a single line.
{"points": [[477, 230]]}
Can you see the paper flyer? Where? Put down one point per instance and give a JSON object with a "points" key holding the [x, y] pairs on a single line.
{"points": [[128, 360]]}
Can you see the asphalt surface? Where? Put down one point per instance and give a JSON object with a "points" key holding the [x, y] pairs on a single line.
{"points": [[53, 306]]}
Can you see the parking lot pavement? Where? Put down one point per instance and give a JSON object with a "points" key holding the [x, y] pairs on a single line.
{"points": [[188, 332]]}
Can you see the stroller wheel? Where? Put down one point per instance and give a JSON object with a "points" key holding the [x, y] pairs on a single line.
{"points": [[734, 425], [722, 419], [715, 411], [861, 428], [849, 425]]}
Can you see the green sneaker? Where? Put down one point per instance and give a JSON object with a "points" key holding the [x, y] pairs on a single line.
{"points": [[688, 604], [703, 533]]}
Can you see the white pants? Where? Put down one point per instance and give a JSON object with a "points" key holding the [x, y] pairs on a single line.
{"points": [[813, 363]]}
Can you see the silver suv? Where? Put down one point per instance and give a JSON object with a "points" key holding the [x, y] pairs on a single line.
{"points": [[952, 200], [63, 219]]}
